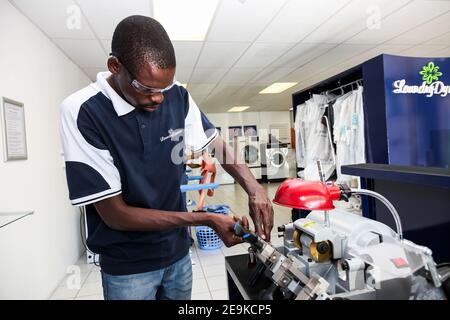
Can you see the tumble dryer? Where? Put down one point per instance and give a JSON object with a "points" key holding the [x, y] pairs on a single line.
{"points": [[247, 147], [274, 161]]}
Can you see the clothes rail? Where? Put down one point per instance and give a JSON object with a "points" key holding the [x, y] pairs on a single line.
{"points": [[357, 82]]}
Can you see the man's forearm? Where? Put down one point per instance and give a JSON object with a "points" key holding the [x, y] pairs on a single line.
{"points": [[242, 174], [260, 208], [119, 216], [235, 166]]}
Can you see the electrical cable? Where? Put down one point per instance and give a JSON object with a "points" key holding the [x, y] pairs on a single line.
{"points": [[386, 202], [83, 235]]}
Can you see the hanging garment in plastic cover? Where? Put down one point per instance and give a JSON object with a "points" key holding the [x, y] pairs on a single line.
{"points": [[348, 131], [312, 139]]}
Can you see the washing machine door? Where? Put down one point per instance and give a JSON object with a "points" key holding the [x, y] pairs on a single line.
{"points": [[277, 159], [250, 155]]}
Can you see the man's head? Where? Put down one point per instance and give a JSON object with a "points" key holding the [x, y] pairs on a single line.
{"points": [[142, 59]]}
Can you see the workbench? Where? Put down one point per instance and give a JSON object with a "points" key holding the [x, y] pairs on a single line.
{"points": [[238, 277]]}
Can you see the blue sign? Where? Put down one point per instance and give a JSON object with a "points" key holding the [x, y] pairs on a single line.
{"points": [[417, 96]]}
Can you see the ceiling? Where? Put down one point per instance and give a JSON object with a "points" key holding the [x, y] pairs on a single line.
{"points": [[252, 43]]}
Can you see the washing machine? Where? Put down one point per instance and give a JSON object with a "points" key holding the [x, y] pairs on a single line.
{"points": [[247, 147], [222, 177], [274, 161]]}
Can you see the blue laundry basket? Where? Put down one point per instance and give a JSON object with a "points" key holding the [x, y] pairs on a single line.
{"points": [[207, 238]]}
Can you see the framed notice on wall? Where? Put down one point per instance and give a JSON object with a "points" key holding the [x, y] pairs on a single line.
{"points": [[14, 130], [234, 131], [250, 131]]}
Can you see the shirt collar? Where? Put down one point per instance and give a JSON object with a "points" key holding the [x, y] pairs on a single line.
{"points": [[121, 106]]}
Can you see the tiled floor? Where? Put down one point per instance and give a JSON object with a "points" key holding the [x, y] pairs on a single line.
{"points": [[209, 279]]}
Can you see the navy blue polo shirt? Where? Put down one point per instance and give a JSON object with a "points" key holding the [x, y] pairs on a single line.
{"points": [[110, 147]]}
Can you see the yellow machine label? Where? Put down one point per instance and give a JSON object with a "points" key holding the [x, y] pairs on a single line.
{"points": [[306, 225]]}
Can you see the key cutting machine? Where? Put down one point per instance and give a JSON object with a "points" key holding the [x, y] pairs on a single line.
{"points": [[334, 254]]}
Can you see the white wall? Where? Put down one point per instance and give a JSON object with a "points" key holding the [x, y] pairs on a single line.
{"points": [[35, 251]]}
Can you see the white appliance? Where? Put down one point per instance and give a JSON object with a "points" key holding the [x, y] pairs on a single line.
{"points": [[91, 257], [274, 160], [222, 177], [247, 147]]}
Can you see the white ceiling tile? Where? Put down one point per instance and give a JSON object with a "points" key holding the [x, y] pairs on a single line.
{"points": [[296, 88], [183, 74], [92, 72], [298, 18], [208, 109], [212, 106], [207, 75], [442, 39], [187, 52], [283, 102], [428, 50], [351, 20], [225, 92], [443, 53], [300, 54], [104, 15], [214, 101], [249, 91], [321, 76], [407, 18], [271, 75], [277, 108], [315, 80], [198, 98], [328, 73], [57, 18], [261, 54], [240, 76], [106, 45], [273, 102], [85, 53], [352, 62], [202, 89], [394, 49], [421, 34], [221, 54], [242, 20], [230, 71], [328, 60]]}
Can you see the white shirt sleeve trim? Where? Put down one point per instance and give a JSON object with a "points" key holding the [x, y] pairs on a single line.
{"points": [[195, 136], [210, 140], [95, 197]]}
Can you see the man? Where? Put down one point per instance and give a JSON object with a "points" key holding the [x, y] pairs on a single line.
{"points": [[121, 138]]}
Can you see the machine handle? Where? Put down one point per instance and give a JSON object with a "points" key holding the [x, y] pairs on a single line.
{"points": [[192, 187], [195, 178], [246, 234]]}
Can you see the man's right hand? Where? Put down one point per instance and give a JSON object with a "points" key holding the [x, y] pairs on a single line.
{"points": [[223, 225]]}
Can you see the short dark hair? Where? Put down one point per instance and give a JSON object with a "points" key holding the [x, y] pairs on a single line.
{"points": [[138, 40]]}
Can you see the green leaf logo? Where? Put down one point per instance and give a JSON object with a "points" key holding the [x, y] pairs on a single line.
{"points": [[430, 73]]}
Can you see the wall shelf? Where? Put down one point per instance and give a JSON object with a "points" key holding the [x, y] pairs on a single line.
{"points": [[7, 218]]}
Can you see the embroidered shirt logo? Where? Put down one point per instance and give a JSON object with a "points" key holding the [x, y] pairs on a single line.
{"points": [[172, 134]]}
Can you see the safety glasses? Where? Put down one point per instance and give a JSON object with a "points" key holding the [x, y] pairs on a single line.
{"points": [[139, 87]]}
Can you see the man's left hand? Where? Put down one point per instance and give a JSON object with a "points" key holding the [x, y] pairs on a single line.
{"points": [[261, 212]]}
